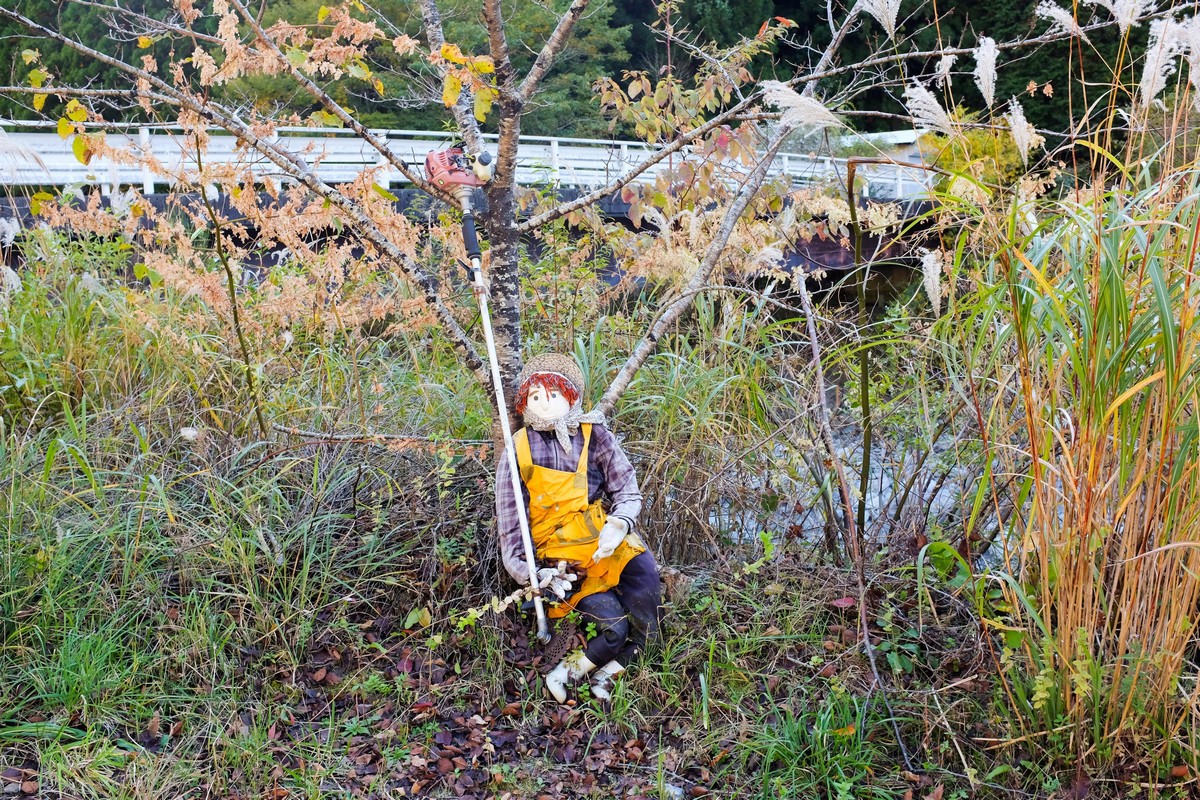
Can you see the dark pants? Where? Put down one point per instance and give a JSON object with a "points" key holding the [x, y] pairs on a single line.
{"points": [[626, 616]]}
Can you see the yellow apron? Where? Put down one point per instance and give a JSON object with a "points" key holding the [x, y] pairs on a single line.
{"points": [[565, 527]]}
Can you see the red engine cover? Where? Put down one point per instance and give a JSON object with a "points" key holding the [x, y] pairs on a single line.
{"points": [[447, 168]]}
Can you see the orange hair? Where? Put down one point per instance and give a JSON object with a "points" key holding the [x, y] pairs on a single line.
{"points": [[547, 380]]}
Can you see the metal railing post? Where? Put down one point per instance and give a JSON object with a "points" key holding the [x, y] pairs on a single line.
{"points": [[385, 171], [147, 145]]}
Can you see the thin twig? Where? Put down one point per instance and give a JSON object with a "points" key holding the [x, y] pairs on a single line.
{"points": [[377, 438]]}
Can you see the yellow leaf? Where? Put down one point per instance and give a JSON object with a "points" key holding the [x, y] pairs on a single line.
{"points": [[65, 128], [451, 89], [322, 13], [424, 617], [378, 84], [82, 151], [483, 65], [483, 103], [36, 78], [30, 56], [136, 210], [76, 111], [39, 101], [144, 42], [846, 731], [35, 202], [453, 54]]}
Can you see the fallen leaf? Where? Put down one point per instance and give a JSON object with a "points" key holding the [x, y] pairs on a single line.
{"points": [[844, 602], [937, 793], [1179, 771]]}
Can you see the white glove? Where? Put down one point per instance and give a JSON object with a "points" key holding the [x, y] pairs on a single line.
{"points": [[556, 580], [611, 535]]}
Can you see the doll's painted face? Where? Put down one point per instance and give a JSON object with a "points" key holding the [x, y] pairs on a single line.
{"points": [[547, 402]]}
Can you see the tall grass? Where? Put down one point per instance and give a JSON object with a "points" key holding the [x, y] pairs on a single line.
{"points": [[1092, 327]]}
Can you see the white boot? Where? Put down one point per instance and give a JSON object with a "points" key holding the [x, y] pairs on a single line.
{"points": [[575, 666], [603, 679]]}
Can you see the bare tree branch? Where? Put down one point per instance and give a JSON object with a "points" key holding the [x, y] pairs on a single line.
{"points": [[150, 24], [834, 45], [1048, 38], [672, 311], [69, 91], [511, 108], [632, 175], [554, 45], [493, 20], [336, 109], [294, 167]]}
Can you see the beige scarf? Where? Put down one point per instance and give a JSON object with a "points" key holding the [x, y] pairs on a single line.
{"points": [[564, 427]]}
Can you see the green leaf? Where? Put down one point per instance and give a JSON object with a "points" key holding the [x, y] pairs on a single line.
{"points": [[30, 56], [37, 77], [324, 118], [360, 72], [418, 616], [296, 57], [384, 193]]}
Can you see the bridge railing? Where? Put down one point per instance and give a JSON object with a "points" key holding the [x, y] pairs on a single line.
{"points": [[38, 157]]}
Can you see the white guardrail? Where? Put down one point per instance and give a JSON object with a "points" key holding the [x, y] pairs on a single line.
{"points": [[37, 158]]}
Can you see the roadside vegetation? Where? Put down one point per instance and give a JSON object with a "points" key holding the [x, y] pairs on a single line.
{"points": [[929, 519]]}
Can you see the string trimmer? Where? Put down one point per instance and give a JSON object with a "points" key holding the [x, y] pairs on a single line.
{"points": [[460, 173]]}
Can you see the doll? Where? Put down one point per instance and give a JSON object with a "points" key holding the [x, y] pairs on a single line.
{"points": [[583, 502]]}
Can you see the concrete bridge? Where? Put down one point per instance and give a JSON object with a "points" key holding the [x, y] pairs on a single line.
{"points": [[36, 156]]}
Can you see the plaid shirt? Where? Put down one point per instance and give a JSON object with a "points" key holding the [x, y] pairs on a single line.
{"points": [[610, 478]]}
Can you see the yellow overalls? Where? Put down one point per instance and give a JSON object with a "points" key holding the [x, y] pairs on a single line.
{"points": [[565, 527]]}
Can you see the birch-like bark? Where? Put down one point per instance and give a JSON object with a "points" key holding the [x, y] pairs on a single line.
{"points": [[295, 168], [493, 20], [671, 313], [500, 222], [464, 109]]}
